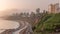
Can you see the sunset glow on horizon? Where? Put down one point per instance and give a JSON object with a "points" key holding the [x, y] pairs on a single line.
{"points": [[25, 4]]}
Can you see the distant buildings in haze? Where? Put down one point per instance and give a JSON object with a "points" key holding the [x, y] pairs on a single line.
{"points": [[54, 8]]}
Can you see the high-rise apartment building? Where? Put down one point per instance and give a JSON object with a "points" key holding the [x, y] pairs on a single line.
{"points": [[54, 8]]}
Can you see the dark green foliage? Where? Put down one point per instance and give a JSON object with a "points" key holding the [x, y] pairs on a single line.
{"points": [[49, 23]]}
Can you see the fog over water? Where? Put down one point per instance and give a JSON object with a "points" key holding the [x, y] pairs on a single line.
{"points": [[5, 24]]}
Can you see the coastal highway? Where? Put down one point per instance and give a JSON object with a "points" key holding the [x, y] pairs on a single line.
{"points": [[21, 27], [25, 28]]}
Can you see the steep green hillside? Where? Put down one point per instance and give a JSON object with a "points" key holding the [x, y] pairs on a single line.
{"points": [[48, 23], [53, 22]]}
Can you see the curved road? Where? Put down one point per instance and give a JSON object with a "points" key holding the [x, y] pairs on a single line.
{"points": [[24, 28]]}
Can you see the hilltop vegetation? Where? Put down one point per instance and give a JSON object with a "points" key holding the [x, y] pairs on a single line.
{"points": [[49, 23]]}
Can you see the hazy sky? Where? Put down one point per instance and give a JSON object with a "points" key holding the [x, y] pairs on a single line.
{"points": [[25, 4]]}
